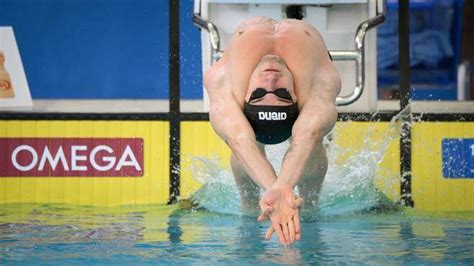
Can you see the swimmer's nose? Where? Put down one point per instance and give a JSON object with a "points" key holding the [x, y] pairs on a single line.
{"points": [[272, 76], [271, 80]]}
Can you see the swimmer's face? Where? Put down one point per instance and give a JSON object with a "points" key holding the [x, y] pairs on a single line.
{"points": [[271, 74]]}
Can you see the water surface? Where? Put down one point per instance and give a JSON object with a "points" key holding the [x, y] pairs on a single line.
{"points": [[59, 234]]}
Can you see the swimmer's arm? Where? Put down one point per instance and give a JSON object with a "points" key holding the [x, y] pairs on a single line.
{"points": [[230, 124], [308, 133], [318, 116]]}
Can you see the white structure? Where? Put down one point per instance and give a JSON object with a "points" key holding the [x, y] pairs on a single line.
{"points": [[342, 23], [12, 66]]}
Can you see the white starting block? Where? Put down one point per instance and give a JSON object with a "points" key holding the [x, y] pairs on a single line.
{"points": [[342, 23]]}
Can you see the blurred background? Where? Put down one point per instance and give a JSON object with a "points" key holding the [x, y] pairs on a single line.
{"points": [[118, 49], [440, 44]]}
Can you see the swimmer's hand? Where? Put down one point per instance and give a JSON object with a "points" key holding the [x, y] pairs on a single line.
{"points": [[281, 205]]}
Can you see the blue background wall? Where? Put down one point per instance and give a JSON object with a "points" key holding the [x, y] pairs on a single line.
{"points": [[191, 66], [101, 49], [118, 49]]}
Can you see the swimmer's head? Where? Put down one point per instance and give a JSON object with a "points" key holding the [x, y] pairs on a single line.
{"points": [[271, 74], [270, 104]]}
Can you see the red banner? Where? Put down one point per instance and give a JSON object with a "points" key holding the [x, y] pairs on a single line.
{"points": [[72, 157]]}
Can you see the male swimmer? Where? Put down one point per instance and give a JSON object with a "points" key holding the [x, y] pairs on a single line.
{"points": [[274, 81]]}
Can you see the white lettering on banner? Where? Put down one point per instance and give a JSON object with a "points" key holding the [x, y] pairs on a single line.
{"points": [[109, 159], [75, 157], [472, 150], [127, 158], [33, 161], [53, 161], [271, 115], [133, 161]]}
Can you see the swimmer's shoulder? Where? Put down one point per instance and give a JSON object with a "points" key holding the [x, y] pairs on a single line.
{"points": [[216, 82], [214, 77], [295, 24], [260, 24], [271, 24], [256, 21]]}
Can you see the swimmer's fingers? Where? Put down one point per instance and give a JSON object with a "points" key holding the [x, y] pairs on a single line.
{"points": [[296, 220], [279, 232], [291, 228], [295, 202], [265, 214], [262, 217], [269, 233], [298, 202], [286, 233]]}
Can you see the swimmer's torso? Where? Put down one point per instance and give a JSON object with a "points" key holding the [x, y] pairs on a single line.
{"points": [[297, 43]]}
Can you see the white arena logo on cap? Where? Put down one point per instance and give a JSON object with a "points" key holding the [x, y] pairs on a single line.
{"points": [[271, 115]]}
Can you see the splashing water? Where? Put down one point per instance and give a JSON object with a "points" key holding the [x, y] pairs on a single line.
{"points": [[219, 192], [348, 186]]}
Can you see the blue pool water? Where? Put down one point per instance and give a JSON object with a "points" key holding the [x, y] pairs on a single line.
{"points": [[61, 234]]}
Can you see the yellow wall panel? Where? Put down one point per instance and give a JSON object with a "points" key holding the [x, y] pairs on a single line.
{"points": [[152, 187], [198, 139], [430, 190]]}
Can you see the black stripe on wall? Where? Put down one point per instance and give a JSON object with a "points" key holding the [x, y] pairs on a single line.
{"points": [[174, 112], [446, 117], [404, 74], [84, 116], [356, 117], [375, 117]]}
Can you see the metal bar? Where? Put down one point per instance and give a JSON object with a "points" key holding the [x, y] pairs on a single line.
{"points": [[359, 41], [214, 37], [404, 72], [198, 21], [174, 112], [344, 55]]}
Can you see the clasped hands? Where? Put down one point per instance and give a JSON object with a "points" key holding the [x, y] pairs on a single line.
{"points": [[280, 205]]}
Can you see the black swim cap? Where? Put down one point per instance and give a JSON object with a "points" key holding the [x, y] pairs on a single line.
{"points": [[271, 124]]}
